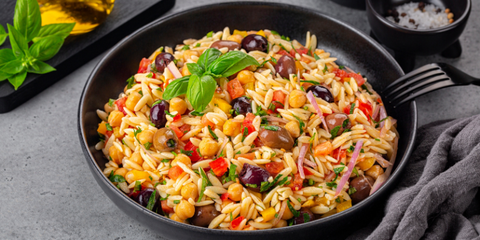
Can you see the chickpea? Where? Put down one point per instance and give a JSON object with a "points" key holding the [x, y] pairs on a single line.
{"points": [[184, 210], [231, 128], [287, 214], [109, 108], [116, 132], [115, 118], [235, 192], [297, 98], [189, 191], [175, 217], [146, 136], [208, 147], [281, 223], [136, 158], [374, 171], [121, 172], [183, 159], [189, 53], [245, 76], [185, 71], [115, 155], [293, 128], [178, 105], [236, 38], [132, 100], [136, 175]]}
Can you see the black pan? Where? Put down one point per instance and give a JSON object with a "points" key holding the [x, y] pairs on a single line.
{"points": [[352, 48]]}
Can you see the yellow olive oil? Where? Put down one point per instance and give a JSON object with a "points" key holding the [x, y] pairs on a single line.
{"points": [[87, 14]]}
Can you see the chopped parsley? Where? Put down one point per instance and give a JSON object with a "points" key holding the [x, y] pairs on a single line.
{"points": [[147, 145], [309, 81], [195, 113], [334, 132], [165, 160], [169, 114], [352, 190], [231, 173], [350, 149], [260, 112], [310, 182], [212, 133], [245, 133], [294, 212], [186, 47], [300, 123], [174, 153], [352, 108], [338, 200], [205, 182], [176, 201], [110, 102], [109, 128], [149, 75], [345, 123], [316, 57], [151, 200], [197, 45], [251, 185], [210, 34], [306, 217], [325, 69], [341, 67], [377, 139], [355, 171], [272, 128], [171, 143], [165, 198], [116, 178], [188, 153], [130, 82]]}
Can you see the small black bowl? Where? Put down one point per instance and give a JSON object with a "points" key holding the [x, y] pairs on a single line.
{"points": [[406, 43], [351, 47]]}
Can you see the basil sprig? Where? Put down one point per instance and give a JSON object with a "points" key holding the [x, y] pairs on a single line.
{"points": [[23, 57], [200, 86]]}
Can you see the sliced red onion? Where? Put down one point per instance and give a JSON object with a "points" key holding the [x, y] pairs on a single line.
{"points": [[314, 103], [301, 158], [375, 112], [329, 176], [309, 163], [383, 115], [382, 161], [280, 213], [349, 70], [383, 178], [351, 165], [174, 70]]}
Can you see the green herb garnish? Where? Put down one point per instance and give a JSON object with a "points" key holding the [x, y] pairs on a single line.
{"points": [[272, 128], [212, 133], [109, 128], [151, 200], [352, 190], [316, 57], [186, 47], [176, 201], [210, 34], [188, 153], [294, 212], [300, 123], [138, 186], [352, 108], [334, 132], [110, 102]]}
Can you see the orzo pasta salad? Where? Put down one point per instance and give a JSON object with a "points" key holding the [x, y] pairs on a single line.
{"points": [[246, 130]]}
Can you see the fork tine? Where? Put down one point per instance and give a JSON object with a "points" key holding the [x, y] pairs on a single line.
{"points": [[414, 73], [417, 85], [411, 82], [430, 88]]}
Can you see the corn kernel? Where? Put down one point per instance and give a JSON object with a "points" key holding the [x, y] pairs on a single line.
{"points": [[136, 175], [268, 214], [366, 164], [231, 128], [222, 104], [344, 206]]}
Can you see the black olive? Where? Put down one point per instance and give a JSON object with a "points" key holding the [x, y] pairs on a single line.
{"points": [[285, 66], [241, 106], [255, 42], [162, 60], [321, 92], [204, 215], [231, 45], [362, 185], [305, 216], [158, 116], [253, 176]]}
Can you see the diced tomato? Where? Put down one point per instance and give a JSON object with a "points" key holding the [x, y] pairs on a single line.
{"points": [[165, 208], [379, 100], [175, 172], [177, 118], [206, 122], [307, 172], [247, 123], [234, 87], [177, 131], [219, 166], [257, 142], [274, 168], [108, 134], [297, 182], [340, 73], [121, 104], [279, 96], [236, 222], [284, 52], [358, 78], [250, 156], [366, 108], [339, 154], [224, 196], [144, 65], [185, 128], [301, 50], [346, 109], [190, 147]]}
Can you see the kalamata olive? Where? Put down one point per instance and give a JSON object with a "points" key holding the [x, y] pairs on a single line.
{"points": [[158, 116], [162, 60], [143, 196], [362, 185], [321, 92], [231, 45], [336, 119], [204, 215], [254, 42], [253, 176], [241, 106], [285, 66], [276, 137], [305, 216], [165, 140]]}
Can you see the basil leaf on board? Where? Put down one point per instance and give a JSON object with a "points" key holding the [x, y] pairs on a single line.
{"points": [[194, 68], [40, 67], [27, 19], [3, 35], [18, 41], [6, 55], [176, 88], [208, 57], [200, 91], [58, 29], [13, 67], [46, 48], [17, 79]]}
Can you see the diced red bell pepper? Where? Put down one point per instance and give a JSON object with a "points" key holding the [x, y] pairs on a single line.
{"points": [[297, 182], [366, 108], [177, 118], [360, 80], [234, 87], [177, 131], [346, 109], [224, 196], [284, 52], [121, 104], [274, 168], [340, 73], [236, 222], [247, 123], [190, 147], [185, 128], [301, 50], [339, 154], [219, 166], [144, 65], [165, 208], [175, 172], [258, 142], [307, 172]]}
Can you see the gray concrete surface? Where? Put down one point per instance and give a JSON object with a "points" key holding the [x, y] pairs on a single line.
{"points": [[48, 192]]}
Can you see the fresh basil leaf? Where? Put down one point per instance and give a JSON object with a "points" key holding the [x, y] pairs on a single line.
{"points": [[176, 88], [17, 79], [18, 41], [208, 57], [247, 61], [27, 19], [334, 132], [4, 76], [59, 29], [194, 68], [46, 48], [231, 63], [40, 67], [13, 67], [3, 35], [200, 91], [6, 55]]}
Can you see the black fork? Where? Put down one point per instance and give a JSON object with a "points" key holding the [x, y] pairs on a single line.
{"points": [[424, 80]]}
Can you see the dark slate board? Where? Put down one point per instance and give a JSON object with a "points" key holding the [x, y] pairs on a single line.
{"points": [[126, 17]]}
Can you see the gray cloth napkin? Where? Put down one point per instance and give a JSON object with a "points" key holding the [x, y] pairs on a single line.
{"points": [[437, 197]]}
